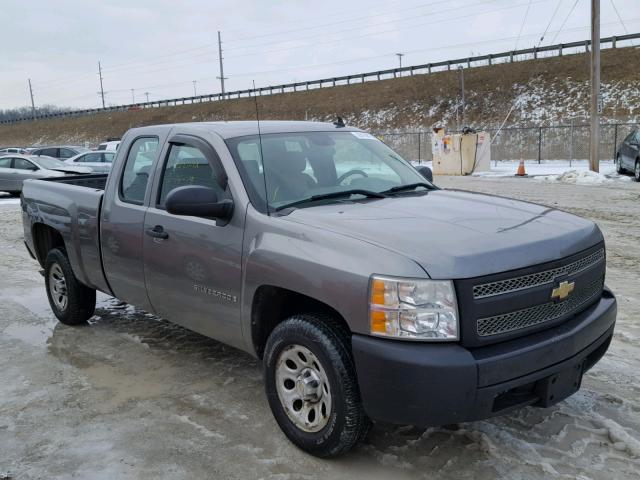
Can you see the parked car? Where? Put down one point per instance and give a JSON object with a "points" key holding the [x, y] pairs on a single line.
{"points": [[628, 155], [14, 169], [110, 145], [98, 162], [19, 150], [368, 292], [63, 152]]}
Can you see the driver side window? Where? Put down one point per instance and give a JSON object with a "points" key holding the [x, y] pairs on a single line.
{"points": [[186, 165]]}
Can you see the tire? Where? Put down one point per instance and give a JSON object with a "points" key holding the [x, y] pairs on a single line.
{"points": [[72, 302], [340, 422], [619, 168], [636, 172]]}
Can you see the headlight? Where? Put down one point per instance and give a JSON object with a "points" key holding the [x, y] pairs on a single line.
{"points": [[413, 309]]}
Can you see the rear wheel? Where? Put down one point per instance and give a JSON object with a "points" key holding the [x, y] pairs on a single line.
{"points": [[72, 302], [311, 385]]}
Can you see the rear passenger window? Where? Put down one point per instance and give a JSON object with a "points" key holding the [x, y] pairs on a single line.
{"points": [[135, 176], [66, 153], [5, 162], [187, 166], [48, 152]]}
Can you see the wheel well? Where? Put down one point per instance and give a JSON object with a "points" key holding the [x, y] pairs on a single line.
{"points": [[271, 305], [45, 238]]}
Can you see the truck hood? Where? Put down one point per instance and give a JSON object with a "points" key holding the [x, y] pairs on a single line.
{"points": [[454, 234]]}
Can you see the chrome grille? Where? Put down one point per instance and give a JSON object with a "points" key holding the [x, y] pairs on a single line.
{"points": [[538, 314], [536, 279]]}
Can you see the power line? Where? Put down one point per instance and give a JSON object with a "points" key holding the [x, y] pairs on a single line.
{"points": [[332, 24], [526, 13], [452, 18], [550, 22], [386, 22], [615, 9], [144, 65], [165, 58], [564, 21], [342, 62]]}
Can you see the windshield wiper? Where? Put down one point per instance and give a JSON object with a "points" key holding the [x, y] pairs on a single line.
{"points": [[328, 196], [408, 187]]}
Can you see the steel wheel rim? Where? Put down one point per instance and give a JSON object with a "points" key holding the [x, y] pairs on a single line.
{"points": [[303, 388], [58, 287]]}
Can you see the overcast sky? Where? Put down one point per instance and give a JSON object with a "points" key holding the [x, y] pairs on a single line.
{"points": [[161, 46]]}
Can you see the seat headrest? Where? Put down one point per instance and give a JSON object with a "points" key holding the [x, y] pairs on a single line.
{"points": [[279, 158]]}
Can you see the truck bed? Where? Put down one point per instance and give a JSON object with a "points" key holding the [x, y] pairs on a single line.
{"points": [[95, 180], [71, 206]]}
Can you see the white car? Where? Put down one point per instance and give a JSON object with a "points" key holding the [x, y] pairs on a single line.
{"points": [[15, 168], [110, 145], [99, 161]]}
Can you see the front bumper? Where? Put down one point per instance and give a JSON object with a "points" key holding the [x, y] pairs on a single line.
{"points": [[437, 384]]}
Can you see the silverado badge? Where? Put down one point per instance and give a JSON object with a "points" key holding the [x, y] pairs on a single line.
{"points": [[563, 290]]}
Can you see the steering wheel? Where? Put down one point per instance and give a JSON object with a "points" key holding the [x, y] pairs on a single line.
{"points": [[350, 173]]}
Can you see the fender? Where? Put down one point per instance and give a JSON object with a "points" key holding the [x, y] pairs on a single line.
{"points": [[329, 267]]}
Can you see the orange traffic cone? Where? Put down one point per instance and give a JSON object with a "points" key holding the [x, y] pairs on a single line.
{"points": [[521, 172]]}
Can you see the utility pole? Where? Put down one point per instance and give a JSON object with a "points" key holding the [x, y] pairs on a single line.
{"points": [[195, 93], [133, 96], [400, 55], [147, 95], [33, 105], [101, 87], [221, 77], [596, 105], [463, 102]]}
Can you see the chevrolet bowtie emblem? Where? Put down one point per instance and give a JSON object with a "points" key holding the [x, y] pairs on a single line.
{"points": [[563, 290]]}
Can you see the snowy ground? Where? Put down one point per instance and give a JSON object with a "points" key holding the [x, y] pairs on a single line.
{"points": [[576, 171], [564, 171], [6, 199], [133, 396]]}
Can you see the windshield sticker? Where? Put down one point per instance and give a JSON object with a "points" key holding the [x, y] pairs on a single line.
{"points": [[363, 136]]}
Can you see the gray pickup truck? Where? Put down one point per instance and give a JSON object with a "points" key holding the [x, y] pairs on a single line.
{"points": [[368, 292]]}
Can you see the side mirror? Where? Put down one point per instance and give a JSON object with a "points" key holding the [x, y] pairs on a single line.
{"points": [[425, 172], [197, 201]]}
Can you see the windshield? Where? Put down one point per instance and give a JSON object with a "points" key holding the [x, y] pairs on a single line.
{"points": [[298, 166], [49, 162]]}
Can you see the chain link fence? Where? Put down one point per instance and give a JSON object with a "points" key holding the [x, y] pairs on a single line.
{"points": [[560, 142]]}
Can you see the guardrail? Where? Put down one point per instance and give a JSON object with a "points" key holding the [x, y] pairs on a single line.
{"points": [[342, 80]]}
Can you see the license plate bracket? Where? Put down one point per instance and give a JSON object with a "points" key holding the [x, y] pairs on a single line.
{"points": [[554, 388]]}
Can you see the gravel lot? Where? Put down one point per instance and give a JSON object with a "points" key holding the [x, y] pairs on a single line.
{"points": [[132, 396]]}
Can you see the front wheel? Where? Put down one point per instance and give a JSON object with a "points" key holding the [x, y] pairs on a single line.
{"points": [[311, 385], [619, 168], [71, 301], [637, 171]]}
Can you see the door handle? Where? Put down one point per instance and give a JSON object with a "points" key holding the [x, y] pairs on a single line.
{"points": [[157, 232]]}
